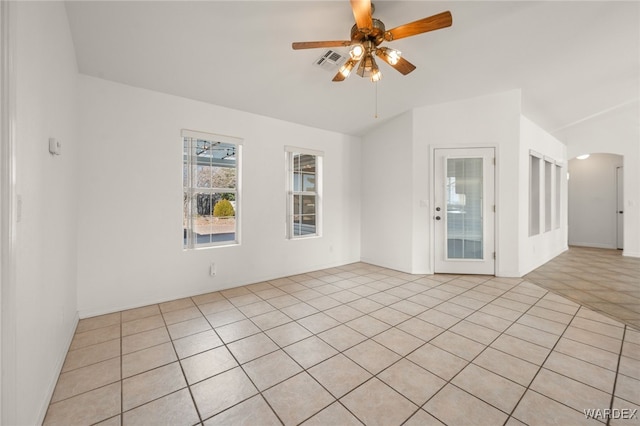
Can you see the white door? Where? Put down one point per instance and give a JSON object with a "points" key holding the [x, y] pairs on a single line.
{"points": [[620, 207], [464, 210]]}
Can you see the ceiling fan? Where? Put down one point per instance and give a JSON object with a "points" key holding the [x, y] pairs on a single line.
{"points": [[366, 36]]}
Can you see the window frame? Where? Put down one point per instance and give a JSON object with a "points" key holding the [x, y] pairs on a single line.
{"points": [[290, 154], [559, 174], [548, 193], [535, 192], [189, 190]]}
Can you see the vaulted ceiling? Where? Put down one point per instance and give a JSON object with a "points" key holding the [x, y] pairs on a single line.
{"points": [[573, 60]]}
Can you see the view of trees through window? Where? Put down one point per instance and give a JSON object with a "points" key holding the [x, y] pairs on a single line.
{"points": [[210, 192]]}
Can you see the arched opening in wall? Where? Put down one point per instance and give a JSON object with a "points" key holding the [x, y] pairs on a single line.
{"points": [[596, 201]]}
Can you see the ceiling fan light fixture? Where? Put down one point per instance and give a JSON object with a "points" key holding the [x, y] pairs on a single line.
{"points": [[376, 74], [347, 67], [369, 68], [356, 52], [366, 65]]}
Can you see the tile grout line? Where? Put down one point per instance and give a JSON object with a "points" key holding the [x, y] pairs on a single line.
{"points": [[391, 326], [576, 263], [540, 369], [419, 407], [480, 353], [342, 302], [180, 364], [541, 365], [122, 411], [225, 345], [313, 334], [373, 376], [305, 370], [615, 380]]}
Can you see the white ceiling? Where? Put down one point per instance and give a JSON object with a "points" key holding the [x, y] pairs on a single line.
{"points": [[573, 60]]}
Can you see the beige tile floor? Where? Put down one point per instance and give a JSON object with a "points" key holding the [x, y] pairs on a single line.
{"points": [[352, 345], [601, 279]]}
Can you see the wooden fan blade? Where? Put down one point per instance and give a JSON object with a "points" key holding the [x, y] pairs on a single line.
{"points": [[339, 77], [435, 22], [362, 14], [403, 66], [315, 44]]}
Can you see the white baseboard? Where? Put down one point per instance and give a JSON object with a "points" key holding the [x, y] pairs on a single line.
{"points": [[628, 253], [593, 245], [509, 274], [59, 363], [88, 313], [541, 262], [385, 265]]}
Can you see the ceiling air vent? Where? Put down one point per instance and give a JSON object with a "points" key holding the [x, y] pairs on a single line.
{"points": [[330, 60]]}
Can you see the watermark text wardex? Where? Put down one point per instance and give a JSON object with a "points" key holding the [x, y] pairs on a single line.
{"points": [[610, 413]]}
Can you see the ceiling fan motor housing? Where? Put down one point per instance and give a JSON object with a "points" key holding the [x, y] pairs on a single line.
{"points": [[376, 35]]}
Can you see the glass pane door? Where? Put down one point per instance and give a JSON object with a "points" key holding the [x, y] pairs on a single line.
{"points": [[464, 201]]}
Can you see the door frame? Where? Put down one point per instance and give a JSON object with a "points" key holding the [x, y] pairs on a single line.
{"points": [[432, 200], [620, 207], [8, 208]]}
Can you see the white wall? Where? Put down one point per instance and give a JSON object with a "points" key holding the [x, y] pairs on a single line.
{"points": [[397, 162], [612, 133], [538, 249], [130, 227], [489, 121], [46, 243], [387, 182], [593, 201]]}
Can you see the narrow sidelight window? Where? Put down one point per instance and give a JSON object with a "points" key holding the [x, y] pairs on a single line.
{"points": [[558, 205], [534, 194], [304, 192], [548, 195]]}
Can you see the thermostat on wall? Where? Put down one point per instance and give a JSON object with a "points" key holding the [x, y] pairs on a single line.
{"points": [[55, 147]]}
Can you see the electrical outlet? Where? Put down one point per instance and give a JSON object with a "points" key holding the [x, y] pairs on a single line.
{"points": [[212, 269]]}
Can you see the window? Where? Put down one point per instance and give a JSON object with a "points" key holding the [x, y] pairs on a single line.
{"points": [[211, 182], [545, 190], [464, 208], [304, 188], [548, 195], [558, 195], [534, 194]]}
